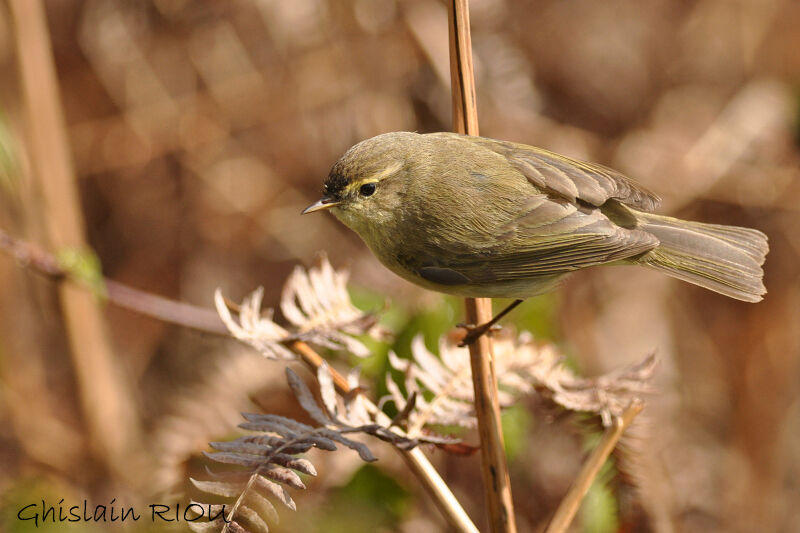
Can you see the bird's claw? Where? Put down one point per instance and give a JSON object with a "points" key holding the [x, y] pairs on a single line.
{"points": [[475, 332]]}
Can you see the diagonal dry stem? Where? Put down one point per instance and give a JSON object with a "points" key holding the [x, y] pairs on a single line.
{"points": [[572, 501], [414, 459], [497, 488]]}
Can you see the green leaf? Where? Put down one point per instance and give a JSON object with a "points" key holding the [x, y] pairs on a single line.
{"points": [[371, 486], [9, 165], [537, 315], [516, 421], [432, 322], [599, 510], [370, 501]]}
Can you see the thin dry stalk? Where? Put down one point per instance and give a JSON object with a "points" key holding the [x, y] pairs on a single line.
{"points": [[497, 487], [416, 461], [106, 397], [124, 296], [572, 501]]}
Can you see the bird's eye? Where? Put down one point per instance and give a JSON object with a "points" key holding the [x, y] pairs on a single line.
{"points": [[368, 189]]}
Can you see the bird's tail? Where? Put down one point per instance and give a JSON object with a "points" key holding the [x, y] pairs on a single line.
{"points": [[724, 259]]}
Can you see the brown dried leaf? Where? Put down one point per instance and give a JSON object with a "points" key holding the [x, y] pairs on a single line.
{"points": [[526, 367], [326, 389], [206, 527], [522, 367], [252, 518], [306, 398], [301, 465], [203, 525], [317, 303], [247, 461], [276, 423], [356, 411], [362, 449], [261, 506], [402, 416], [277, 491], [217, 488], [282, 475], [235, 527], [261, 445], [258, 331]]}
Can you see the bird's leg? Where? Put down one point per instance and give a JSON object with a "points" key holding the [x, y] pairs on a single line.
{"points": [[474, 332]]}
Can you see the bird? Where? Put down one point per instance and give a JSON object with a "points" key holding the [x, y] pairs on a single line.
{"points": [[484, 218]]}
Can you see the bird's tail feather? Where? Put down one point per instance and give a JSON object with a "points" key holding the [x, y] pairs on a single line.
{"points": [[724, 259]]}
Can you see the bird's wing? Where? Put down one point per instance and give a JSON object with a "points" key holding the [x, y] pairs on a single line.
{"points": [[571, 179], [550, 237]]}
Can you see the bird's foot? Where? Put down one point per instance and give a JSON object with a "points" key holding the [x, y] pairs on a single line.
{"points": [[475, 332]]}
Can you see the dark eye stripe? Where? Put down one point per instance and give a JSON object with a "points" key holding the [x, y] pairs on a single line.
{"points": [[367, 189]]}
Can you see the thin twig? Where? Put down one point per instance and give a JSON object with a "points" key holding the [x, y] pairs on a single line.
{"points": [[139, 301], [164, 309], [105, 394], [497, 487], [572, 501]]}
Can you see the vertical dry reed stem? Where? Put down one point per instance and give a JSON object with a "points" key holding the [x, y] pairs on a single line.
{"points": [[105, 395], [416, 461], [572, 501], [497, 487]]}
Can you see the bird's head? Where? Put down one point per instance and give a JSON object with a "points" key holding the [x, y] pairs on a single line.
{"points": [[366, 187]]}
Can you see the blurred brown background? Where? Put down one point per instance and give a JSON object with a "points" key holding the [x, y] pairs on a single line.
{"points": [[199, 129]]}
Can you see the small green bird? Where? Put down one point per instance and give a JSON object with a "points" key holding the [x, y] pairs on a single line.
{"points": [[478, 217]]}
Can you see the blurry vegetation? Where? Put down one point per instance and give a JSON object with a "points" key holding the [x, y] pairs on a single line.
{"points": [[599, 513], [200, 129], [370, 500], [9, 171], [516, 424]]}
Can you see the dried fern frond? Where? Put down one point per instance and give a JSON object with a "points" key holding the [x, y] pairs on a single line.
{"points": [[318, 307], [317, 303], [254, 328], [268, 457], [522, 367]]}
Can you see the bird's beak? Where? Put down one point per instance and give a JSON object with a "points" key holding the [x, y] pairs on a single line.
{"points": [[325, 202]]}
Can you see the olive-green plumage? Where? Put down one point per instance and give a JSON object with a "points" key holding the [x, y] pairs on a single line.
{"points": [[478, 217]]}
